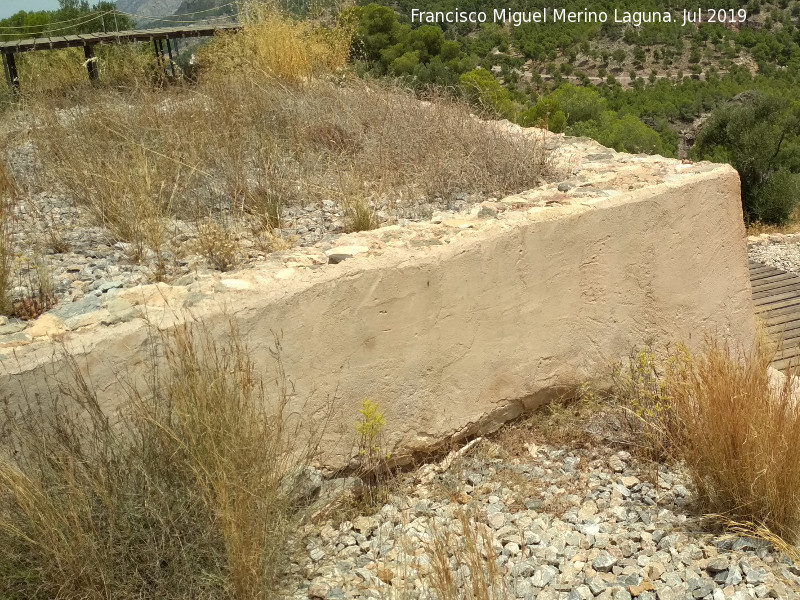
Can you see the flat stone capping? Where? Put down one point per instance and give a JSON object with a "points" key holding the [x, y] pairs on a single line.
{"points": [[455, 325]]}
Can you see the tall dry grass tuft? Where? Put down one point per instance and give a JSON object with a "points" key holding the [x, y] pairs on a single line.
{"points": [[185, 496], [274, 45], [121, 175], [8, 192], [60, 77], [464, 563], [738, 436]]}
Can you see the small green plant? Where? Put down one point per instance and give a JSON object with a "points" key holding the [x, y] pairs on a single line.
{"points": [[372, 459], [369, 429]]}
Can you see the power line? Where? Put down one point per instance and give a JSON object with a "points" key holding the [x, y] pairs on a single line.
{"points": [[54, 22], [82, 20], [169, 20], [47, 31], [198, 12]]}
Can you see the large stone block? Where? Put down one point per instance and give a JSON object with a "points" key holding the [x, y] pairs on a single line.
{"points": [[457, 329]]}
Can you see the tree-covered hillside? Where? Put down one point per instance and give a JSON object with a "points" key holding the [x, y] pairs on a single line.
{"points": [[637, 89], [73, 17]]}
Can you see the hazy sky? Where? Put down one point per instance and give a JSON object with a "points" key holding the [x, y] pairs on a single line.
{"points": [[9, 7]]}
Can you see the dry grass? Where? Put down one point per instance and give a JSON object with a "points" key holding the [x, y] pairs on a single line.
{"points": [[738, 437], [61, 75], [278, 129], [717, 414], [568, 419], [464, 564], [218, 244], [185, 497], [7, 195], [646, 411], [272, 45], [36, 279]]}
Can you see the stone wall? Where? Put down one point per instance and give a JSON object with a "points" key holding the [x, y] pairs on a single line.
{"points": [[453, 325]]}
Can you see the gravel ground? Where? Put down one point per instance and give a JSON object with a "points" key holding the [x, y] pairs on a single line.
{"points": [[781, 252], [77, 254], [564, 524]]}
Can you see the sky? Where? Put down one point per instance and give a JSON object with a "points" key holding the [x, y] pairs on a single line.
{"points": [[10, 7]]}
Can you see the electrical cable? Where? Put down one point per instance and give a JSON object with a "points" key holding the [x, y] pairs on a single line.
{"points": [[199, 12], [108, 12]]}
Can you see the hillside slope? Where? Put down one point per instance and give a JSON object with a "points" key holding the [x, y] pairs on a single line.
{"points": [[149, 8]]}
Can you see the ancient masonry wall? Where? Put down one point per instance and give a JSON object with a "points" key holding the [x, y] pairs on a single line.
{"points": [[453, 325]]}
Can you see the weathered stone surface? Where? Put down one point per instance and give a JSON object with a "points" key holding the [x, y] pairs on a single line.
{"points": [[13, 326], [13, 340], [340, 253], [46, 325], [79, 307]]}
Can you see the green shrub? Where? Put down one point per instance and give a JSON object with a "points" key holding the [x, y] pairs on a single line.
{"points": [[758, 136], [481, 88], [774, 201], [624, 134]]}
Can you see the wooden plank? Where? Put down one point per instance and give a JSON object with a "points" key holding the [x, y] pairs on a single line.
{"points": [[783, 330], [790, 300], [767, 285], [755, 269], [779, 288], [790, 352], [775, 300], [762, 273], [773, 273], [792, 337], [764, 295], [793, 308], [760, 267], [761, 283], [770, 320], [782, 365]]}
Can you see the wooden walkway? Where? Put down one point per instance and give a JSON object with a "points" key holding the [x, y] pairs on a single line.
{"points": [[88, 41], [776, 295]]}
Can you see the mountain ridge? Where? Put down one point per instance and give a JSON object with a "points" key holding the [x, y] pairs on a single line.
{"points": [[152, 10]]}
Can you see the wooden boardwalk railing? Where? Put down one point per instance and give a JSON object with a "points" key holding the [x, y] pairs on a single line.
{"points": [[88, 41]]}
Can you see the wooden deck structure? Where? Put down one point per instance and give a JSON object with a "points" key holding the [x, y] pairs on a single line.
{"points": [[88, 41], [776, 295]]}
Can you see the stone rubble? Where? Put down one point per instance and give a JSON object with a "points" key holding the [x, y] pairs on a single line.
{"points": [[564, 524], [781, 251]]}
